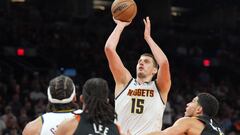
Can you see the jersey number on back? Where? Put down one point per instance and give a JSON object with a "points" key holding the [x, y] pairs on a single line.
{"points": [[137, 106]]}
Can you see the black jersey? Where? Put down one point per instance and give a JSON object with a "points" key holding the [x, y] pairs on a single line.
{"points": [[85, 127], [211, 127]]}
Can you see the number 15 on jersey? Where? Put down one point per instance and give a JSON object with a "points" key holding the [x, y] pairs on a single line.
{"points": [[137, 106]]}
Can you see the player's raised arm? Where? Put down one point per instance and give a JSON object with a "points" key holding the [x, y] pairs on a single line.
{"points": [[163, 75], [120, 73]]}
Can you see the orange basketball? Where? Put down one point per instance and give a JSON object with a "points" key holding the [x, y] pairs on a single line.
{"points": [[124, 10]]}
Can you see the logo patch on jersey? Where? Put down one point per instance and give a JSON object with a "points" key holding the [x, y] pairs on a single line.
{"points": [[141, 92]]}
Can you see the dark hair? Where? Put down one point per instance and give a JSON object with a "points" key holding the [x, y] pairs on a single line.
{"points": [[154, 60], [95, 96], [209, 104], [58, 107], [61, 87]]}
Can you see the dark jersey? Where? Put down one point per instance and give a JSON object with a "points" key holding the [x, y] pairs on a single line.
{"points": [[211, 127], [85, 127]]}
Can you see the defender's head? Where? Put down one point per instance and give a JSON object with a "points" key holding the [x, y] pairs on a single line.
{"points": [[203, 104], [96, 88], [95, 101]]}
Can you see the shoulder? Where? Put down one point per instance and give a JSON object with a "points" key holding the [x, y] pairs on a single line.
{"points": [[68, 126], [72, 121], [120, 87], [187, 121], [183, 124], [33, 127], [183, 119]]}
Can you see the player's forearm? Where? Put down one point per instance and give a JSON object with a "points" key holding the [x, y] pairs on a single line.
{"points": [[161, 133], [113, 39], [157, 52], [155, 133]]}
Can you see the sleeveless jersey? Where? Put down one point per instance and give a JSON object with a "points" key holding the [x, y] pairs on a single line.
{"points": [[140, 108], [51, 120], [211, 127], [85, 127]]}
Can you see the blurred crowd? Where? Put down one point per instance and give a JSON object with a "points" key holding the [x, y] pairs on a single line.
{"points": [[79, 43]]}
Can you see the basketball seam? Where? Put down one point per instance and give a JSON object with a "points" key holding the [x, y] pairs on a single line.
{"points": [[123, 2], [124, 10]]}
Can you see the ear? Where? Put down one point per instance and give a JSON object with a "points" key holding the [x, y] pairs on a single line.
{"points": [[74, 99], [155, 70], [199, 110], [81, 99]]}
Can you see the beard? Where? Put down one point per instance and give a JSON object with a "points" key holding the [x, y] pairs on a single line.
{"points": [[187, 114], [141, 75]]}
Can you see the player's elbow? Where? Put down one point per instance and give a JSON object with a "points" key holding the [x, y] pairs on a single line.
{"points": [[164, 65], [108, 49], [166, 60]]}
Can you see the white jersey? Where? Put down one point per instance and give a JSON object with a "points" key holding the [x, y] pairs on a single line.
{"points": [[140, 108], [51, 121]]}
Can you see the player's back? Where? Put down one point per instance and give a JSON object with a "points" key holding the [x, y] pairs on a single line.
{"points": [[51, 120], [211, 127], [86, 127], [140, 108]]}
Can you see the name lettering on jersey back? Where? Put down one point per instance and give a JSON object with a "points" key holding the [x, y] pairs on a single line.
{"points": [[53, 130], [141, 92], [100, 129]]}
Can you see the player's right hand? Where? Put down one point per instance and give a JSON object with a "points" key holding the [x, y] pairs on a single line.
{"points": [[118, 22]]}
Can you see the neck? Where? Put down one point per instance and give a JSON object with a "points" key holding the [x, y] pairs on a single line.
{"points": [[198, 114], [143, 80]]}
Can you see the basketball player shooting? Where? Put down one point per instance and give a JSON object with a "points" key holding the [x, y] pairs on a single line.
{"points": [[140, 101]]}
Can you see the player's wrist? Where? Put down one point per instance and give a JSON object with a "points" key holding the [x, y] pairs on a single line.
{"points": [[121, 26]]}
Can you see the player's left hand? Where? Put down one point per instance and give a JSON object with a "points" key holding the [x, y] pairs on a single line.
{"points": [[147, 31]]}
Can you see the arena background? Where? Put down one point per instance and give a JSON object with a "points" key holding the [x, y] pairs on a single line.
{"points": [[40, 39]]}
